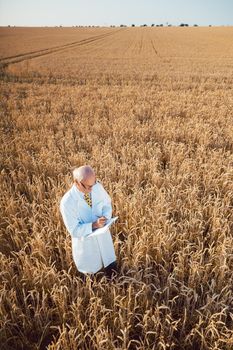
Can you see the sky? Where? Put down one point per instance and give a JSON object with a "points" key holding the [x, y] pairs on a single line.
{"points": [[115, 12]]}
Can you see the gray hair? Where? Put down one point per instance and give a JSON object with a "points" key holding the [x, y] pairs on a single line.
{"points": [[82, 172]]}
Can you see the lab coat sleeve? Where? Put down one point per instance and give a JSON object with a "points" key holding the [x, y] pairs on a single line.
{"points": [[72, 224], [107, 207]]}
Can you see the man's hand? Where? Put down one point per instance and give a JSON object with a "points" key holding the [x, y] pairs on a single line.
{"points": [[99, 223]]}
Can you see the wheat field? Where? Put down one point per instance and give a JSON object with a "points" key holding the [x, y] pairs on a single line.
{"points": [[151, 110]]}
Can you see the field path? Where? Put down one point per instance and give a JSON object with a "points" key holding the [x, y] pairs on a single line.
{"points": [[38, 53]]}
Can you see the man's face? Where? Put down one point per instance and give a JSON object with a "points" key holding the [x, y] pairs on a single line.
{"points": [[86, 184]]}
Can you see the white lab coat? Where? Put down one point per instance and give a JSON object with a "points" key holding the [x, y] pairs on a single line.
{"points": [[90, 254]]}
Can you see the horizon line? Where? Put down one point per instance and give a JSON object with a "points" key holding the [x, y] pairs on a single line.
{"points": [[116, 25]]}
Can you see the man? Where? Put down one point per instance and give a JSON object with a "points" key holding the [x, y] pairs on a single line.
{"points": [[85, 207]]}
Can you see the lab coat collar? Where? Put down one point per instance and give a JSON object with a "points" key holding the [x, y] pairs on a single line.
{"points": [[76, 193]]}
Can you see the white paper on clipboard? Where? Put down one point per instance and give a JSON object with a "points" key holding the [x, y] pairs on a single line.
{"points": [[101, 230]]}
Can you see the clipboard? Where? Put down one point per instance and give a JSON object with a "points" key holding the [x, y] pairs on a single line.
{"points": [[101, 230]]}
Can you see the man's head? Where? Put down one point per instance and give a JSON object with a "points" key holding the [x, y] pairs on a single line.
{"points": [[84, 178]]}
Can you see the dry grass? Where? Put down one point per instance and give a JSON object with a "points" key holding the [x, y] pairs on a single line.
{"points": [[151, 110]]}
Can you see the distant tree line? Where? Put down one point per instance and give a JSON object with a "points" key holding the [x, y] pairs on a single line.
{"points": [[159, 25], [132, 25], [142, 25]]}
